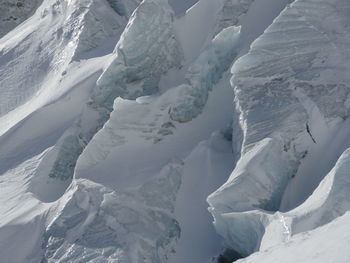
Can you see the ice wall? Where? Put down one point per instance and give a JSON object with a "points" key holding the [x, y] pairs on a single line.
{"points": [[134, 70], [98, 224], [204, 73], [290, 87]]}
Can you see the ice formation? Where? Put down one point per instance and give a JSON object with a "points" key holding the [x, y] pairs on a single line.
{"points": [[283, 88], [204, 73], [98, 224], [129, 74]]}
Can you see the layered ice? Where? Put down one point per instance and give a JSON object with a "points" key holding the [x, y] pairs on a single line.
{"points": [[291, 89], [329, 201], [233, 207], [98, 224], [102, 24], [147, 49], [204, 73], [129, 75], [151, 119], [257, 230]]}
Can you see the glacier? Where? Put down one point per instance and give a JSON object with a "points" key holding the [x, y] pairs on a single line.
{"points": [[174, 131]]}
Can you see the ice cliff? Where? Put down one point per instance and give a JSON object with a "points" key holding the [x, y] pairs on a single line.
{"points": [[285, 90]]}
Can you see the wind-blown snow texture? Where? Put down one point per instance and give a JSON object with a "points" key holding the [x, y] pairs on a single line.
{"points": [[121, 119], [13, 12]]}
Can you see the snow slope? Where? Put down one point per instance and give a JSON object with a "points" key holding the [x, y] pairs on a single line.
{"points": [[13, 13], [46, 44], [329, 243]]}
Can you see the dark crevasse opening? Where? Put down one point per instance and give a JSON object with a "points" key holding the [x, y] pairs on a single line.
{"points": [[228, 256], [180, 6]]}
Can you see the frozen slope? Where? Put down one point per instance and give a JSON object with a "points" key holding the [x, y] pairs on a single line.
{"points": [[22, 216], [47, 44]]}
